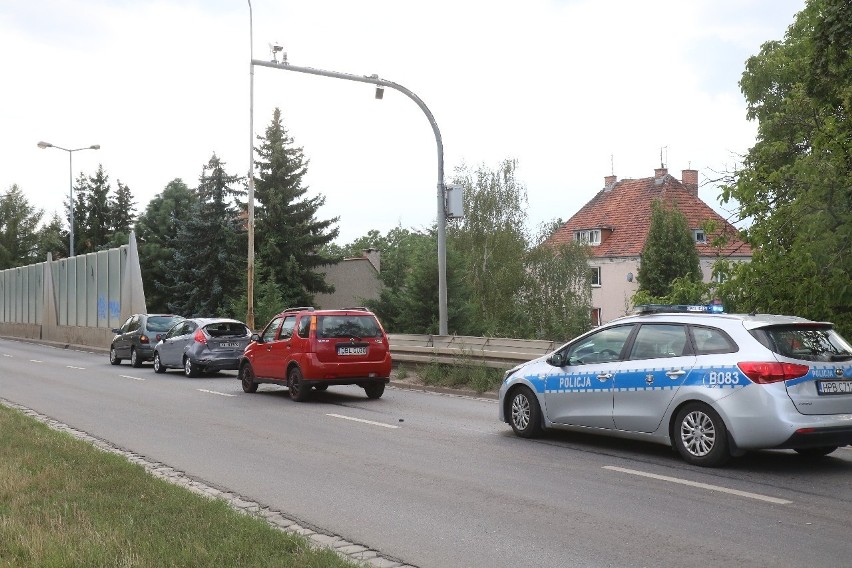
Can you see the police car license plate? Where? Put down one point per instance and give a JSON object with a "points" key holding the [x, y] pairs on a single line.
{"points": [[834, 387], [349, 350]]}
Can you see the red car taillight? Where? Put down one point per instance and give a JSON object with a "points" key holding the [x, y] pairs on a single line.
{"points": [[143, 339], [772, 372], [199, 336]]}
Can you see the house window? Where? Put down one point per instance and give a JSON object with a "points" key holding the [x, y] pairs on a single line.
{"points": [[699, 236], [592, 237], [595, 276]]}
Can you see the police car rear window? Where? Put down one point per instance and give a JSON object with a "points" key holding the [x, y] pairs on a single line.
{"points": [[805, 342]]}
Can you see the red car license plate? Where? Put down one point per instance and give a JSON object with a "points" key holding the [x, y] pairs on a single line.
{"points": [[349, 350]]}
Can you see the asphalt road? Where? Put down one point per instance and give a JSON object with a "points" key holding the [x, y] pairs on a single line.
{"points": [[436, 481]]}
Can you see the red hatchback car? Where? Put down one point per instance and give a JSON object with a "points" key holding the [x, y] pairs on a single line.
{"points": [[303, 348]]}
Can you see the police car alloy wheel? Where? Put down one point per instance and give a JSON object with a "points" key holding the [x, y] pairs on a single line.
{"points": [[525, 413], [700, 436]]}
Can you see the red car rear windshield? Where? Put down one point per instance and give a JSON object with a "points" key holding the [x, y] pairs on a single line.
{"points": [[329, 327]]}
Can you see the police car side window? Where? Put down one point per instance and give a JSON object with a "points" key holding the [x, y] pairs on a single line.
{"points": [[654, 341], [601, 347], [709, 340]]}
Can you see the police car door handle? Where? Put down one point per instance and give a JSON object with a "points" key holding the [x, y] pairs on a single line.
{"points": [[673, 374], [604, 377]]}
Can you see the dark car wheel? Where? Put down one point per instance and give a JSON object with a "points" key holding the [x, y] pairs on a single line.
{"points": [[700, 436], [525, 413], [158, 365], [135, 361], [815, 452], [374, 390], [296, 385], [321, 387], [247, 378], [190, 369], [113, 356]]}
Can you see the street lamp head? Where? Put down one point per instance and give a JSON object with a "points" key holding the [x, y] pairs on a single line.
{"points": [[95, 147], [44, 145]]}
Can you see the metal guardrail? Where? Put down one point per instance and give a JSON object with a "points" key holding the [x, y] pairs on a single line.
{"points": [[494, 352]]}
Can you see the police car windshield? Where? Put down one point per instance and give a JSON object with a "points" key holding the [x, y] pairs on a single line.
{"points": [[808, 343]]}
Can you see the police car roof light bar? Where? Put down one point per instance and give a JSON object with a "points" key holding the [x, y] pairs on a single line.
{"points": [[679, 309]]}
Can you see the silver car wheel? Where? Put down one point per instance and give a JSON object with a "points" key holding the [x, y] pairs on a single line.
{"points": [[521, 411], [698, 433]]}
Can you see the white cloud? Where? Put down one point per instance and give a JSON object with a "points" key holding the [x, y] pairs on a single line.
{"points": [[566, 87]]}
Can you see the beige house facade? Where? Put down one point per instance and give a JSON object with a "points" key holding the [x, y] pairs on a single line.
{"points": [[615, 224]]}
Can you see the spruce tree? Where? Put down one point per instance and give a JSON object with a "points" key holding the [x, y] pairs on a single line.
{"points": [[156, 231], [289, 236], [19, 222], [669, 251], [208, 261]]}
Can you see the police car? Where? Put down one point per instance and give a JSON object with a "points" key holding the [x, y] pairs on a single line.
{"points": [[711, 384]]}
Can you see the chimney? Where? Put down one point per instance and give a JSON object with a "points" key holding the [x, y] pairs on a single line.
{"points": [[689, 178], [660, 173], [609, 182], [374, 256]]}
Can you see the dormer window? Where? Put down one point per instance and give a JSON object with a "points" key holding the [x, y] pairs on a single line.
{"points": [[592, 236], [699, 236]]}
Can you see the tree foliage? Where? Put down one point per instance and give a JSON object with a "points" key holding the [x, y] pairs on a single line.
{"points": [[209, 253], [795, 185], [669, 251], [156, 232], [19, 233], [290, 238]]}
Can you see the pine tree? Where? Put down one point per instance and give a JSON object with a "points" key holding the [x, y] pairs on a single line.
{"points": [[97, 214], [289, 236], [208, 262]]}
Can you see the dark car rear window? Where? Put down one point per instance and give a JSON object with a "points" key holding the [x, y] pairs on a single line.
{"points": [[348, 326], [162, 323], [226, 329], [806, 342]]}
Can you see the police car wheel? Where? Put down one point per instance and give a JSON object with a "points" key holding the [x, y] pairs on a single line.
{"points": [[815, 452], [700, 436], [525, 413]]}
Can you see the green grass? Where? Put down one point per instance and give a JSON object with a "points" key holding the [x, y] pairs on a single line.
{"points": [[463, 374], [64, 503]]}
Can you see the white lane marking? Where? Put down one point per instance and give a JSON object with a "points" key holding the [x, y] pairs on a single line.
{"points": [[215, 392], [35, 361], [129, 377], [73, 367], [362, 420], [707, 486], [7, 355]]}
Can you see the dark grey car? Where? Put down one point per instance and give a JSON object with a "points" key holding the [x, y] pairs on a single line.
{"points": [[136, 338], [202, 345]]}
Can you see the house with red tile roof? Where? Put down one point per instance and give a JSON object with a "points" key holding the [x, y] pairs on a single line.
{"points": [[616, 221]]}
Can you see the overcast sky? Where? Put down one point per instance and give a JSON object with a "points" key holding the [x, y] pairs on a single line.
{"points": [[573, 89]]}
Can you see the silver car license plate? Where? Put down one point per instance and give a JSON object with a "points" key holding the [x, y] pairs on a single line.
{"points": [[226, 344], [834, 387]]}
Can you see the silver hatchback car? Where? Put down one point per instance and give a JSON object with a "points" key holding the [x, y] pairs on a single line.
{"points": [[713, 385], [202, 345]]}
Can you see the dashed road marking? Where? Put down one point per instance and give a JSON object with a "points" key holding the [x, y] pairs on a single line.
{"points": [[35, 361], [707, 486], [215, 392], [130, 377], [73, 367], [383, 425]]}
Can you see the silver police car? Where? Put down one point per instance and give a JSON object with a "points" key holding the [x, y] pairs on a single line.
{"points": [[711, 384]]}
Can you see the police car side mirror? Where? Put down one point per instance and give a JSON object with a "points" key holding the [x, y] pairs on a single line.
{"points": [[557, 359]]}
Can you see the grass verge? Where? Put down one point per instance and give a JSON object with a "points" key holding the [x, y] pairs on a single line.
{"points": [[464, 373], [64, 503]]}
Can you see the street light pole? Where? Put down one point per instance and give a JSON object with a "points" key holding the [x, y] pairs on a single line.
{"points": [[442, 213], [250, 268], [44, 145]]}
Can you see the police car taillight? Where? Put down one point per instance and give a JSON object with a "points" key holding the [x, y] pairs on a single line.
{"points": [[772, 372]]}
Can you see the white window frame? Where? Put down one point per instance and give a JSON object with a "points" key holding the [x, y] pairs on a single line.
{"points": [[699, 236], [596, 271], [591, 236]]}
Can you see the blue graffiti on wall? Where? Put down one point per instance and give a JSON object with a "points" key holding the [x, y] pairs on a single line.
{"points": [[114, 308]]}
